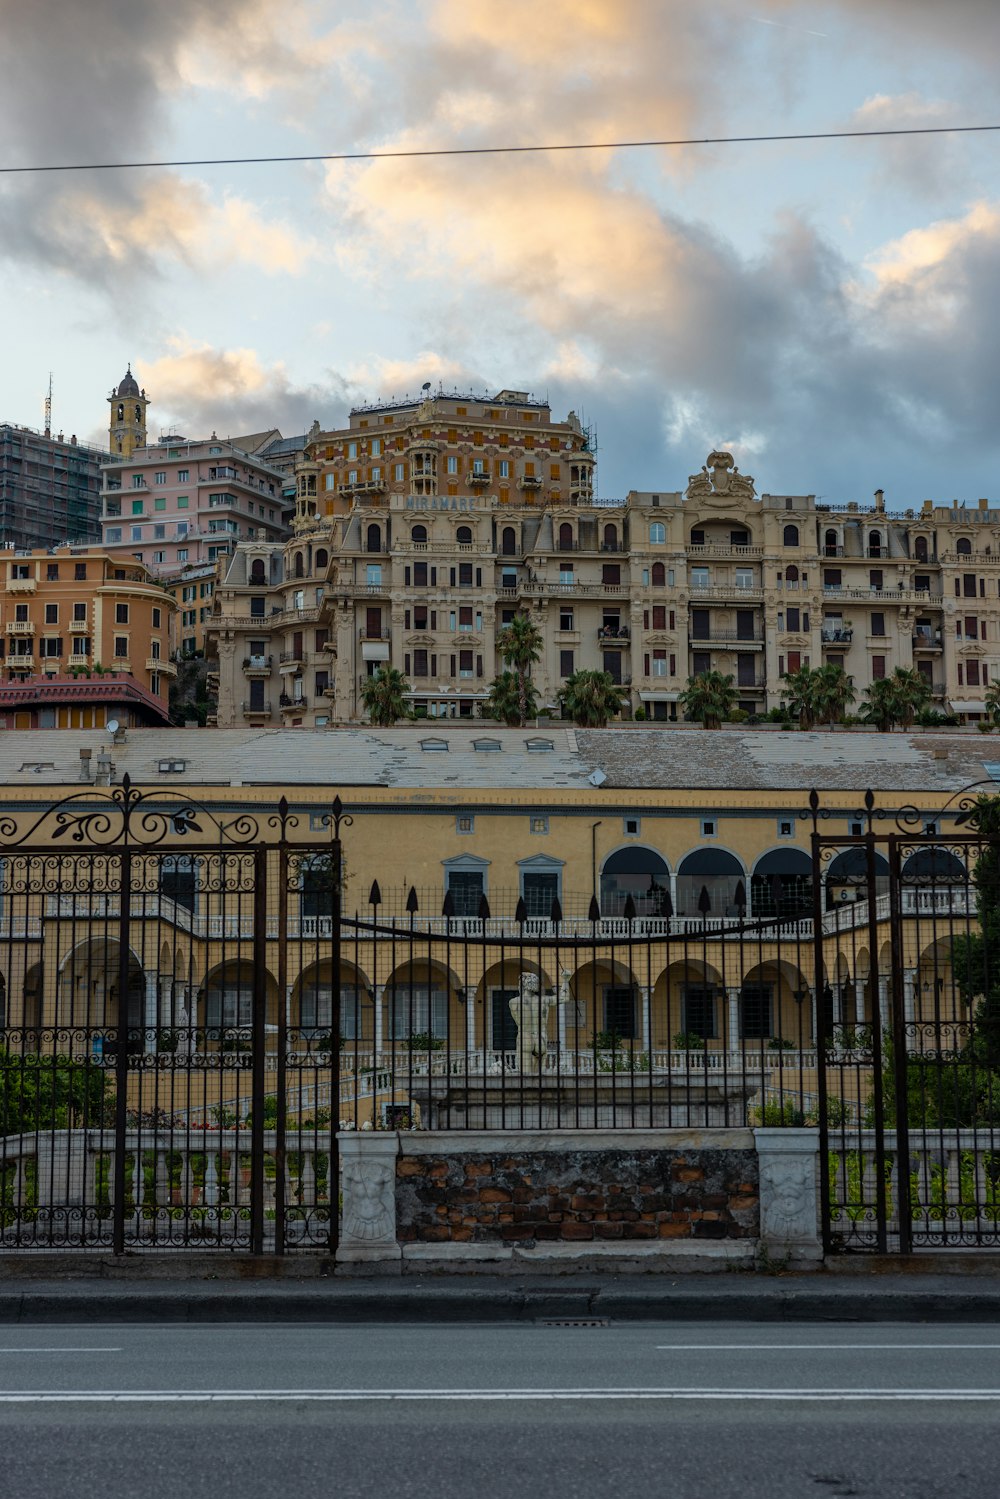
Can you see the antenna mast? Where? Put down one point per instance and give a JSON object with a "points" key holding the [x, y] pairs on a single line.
{"points": [[48, 408]]}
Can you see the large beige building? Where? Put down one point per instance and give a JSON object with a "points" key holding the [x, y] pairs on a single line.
{"points": [[421, 530]]}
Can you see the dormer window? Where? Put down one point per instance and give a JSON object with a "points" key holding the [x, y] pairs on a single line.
{"points": [[434, 746]]}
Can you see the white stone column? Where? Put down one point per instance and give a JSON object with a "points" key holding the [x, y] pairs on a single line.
{"points": [[368, 1214], [151, 1016], [733, 1029], [860, 986], [910, 994], [470, 1019], [377, 1042], [673, 893], [645, 1017], [883, 1003], [837, 990], [788, 1160]]}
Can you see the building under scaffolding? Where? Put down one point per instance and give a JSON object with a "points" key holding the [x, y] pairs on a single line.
{"points": [[50, 489]]}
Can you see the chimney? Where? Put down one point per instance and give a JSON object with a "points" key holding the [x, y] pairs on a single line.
{"points": [[105, 769], [984, 504], [85, 755], [880, 499]]}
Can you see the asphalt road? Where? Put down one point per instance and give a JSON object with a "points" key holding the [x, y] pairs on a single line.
{"points": [[471, 1411]]}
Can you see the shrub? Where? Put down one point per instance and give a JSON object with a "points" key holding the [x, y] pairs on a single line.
{"points": [[738, 715], [779, 1043], [688, 1041], [424, 1041], [773, 1115], [640, 714]]}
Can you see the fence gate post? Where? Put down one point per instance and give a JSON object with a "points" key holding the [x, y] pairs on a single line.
{"points": [[259, 1031], [900, 1058], [122, 1049]]}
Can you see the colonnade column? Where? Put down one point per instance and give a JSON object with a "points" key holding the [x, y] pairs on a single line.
{"points": [[733, 1036]]}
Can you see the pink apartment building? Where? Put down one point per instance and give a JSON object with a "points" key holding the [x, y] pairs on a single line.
{"points": [[178, 503]]}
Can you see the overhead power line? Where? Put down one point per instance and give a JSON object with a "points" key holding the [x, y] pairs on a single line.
{"points": [[706, 140]]}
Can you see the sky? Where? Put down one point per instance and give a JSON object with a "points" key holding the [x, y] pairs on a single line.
{"points": [[827, 310]]}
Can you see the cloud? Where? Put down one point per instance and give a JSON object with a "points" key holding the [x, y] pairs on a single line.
{"points": [[198, 389]]}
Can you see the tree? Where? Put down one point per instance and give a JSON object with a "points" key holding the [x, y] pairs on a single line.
{"points": [[50, 1092], [709, 697], [384, 696], [834, 693], [993, 702], [800, 696], [896, 699], [591, 698], [520, 646], [506, 699]]}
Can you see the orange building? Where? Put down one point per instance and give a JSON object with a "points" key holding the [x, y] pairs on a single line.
{"points": [[84, 638]]}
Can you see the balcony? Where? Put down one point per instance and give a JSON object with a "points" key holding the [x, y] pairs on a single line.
{"points": [[481, 476], [836, 637], [613, 634], [293, 657], [257, 666], [20, 627], [727, 638], [21, 663], [159, 664], [289, 704], [529, 481], [741, 591], [256, 710], [381, 634], [832, 551], [927, 640], [723, 549], [78, 627], [21, 585]]}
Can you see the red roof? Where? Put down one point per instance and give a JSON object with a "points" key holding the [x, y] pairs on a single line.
{"points": [[52, 691]]}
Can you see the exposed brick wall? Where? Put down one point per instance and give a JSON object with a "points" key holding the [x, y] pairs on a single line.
{"points": [[577, 1195]]}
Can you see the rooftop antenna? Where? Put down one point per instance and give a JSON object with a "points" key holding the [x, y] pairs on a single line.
{"points": [[48, 408]]}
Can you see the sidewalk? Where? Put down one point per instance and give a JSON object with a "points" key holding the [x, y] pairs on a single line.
{"points": [[861, 1295]]}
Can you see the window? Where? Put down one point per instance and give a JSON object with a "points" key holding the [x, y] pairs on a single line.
{"points": [[352, 450], [565, 619], [80, 611], [487, 746], [755, 1012], [658, 577], [182, 502], [699, 577], [744, 577], [786, 827], [373, 574], [538, 746], [121, 647], [538, 825], [121, 614], [398, 473], [878, 624], [632, 826], [708, 826], [80, 571], [699, 1011], [416, 1009], [113, 533], [831, 577], [156, 619], [878, 668], [136, 533], [539, 888], [452, 465], [51, 614], [465, 822], [434, 746], [138, 482], [657, 532], [183, 475], [566, 667], [790, 536], [182, 554], [503, 468]]}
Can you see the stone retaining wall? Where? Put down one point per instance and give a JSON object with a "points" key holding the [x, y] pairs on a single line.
{"points": [[575, 1194]]}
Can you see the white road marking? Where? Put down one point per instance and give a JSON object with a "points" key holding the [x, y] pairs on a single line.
{"points": [[60, 1350], [813, 1347], [212, 1397]]}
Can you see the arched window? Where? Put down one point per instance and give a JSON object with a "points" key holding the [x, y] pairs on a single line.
{"points": [[657, 532], [138, 416], [963, 546], [299, 568], [920, 549], [830, 544], [790, 536], [419, 535], [658, 575], [121, 413], [610, 538], [791, 574], [322, 559], [508, 542], [257, 574], [875, 543], [641, 873], [373, 539], [179, 880], [464, 536], [711, 883], [935, 866], [565, 537], [847, 877], [781, 884]]}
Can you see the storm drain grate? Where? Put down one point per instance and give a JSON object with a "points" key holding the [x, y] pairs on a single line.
{"points": [[573, 1322]]}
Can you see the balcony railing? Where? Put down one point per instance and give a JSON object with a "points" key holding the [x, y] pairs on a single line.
{"points": [[924, 640], [723, 549], [21, 585], [837, 637], [285, 702], [726, 590], [613, 634], [257, 666], [20, 627], [726, 637], [295, 657], [256, 710]]}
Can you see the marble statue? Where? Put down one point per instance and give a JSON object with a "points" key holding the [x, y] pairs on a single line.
{"points": [[530, 1008]]}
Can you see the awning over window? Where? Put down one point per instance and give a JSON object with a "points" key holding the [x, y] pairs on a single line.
{"points": [[659, 697], [374, 650], [968, 705]]}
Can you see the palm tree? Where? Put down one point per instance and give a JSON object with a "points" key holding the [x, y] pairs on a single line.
{"points": [[709, 697], [800, 697], [881, 705], [520, 645], [993, 702], [913, 692], [384, 696], [507, 697], [591, 698], [834, 693]]}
